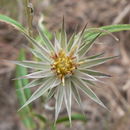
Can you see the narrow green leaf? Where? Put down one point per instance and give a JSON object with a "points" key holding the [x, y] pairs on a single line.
{"points": [[19, 27], [88, 35], [53, 127], [23, 95], [12, 22], [110, 28], [74, 117], [40, 117]]}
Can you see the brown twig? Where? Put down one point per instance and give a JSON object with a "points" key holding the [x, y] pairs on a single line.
{"points": [[122, 15]]}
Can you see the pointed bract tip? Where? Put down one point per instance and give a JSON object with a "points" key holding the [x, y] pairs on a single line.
{"points": [[63, 22], [84, 28]]}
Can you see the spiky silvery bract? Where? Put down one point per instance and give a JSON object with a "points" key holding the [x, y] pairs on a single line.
{"points": [[63, 69]]}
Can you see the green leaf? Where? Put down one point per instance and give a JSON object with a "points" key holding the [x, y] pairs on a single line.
{"points": [[41, 117], [42, 121], [53, 127], [110, 28], [12, 22], [74, 117], [19, 27], [88, 35], [23, 95]]}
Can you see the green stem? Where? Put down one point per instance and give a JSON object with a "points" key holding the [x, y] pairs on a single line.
{"points": [[29, 18], [29, 15]]}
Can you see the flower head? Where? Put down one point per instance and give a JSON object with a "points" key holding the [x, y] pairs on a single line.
{"points": [[63, 69]]}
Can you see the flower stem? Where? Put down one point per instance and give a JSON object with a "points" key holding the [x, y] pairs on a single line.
{"points": [[29, 15]]}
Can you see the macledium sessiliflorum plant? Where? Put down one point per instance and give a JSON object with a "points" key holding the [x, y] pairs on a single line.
{"points": [[63, 69]]}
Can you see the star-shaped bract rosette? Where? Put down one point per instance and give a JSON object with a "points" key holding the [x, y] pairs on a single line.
{"points": [[63, 69]]}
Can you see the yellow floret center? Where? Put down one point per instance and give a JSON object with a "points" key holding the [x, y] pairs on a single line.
{"points": [[63, 64]]}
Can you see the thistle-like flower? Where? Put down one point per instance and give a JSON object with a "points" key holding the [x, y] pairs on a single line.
{"points": [[63, 69]]}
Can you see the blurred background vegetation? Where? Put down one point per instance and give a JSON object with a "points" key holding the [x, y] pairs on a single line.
{"points": [[115, 93]]}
